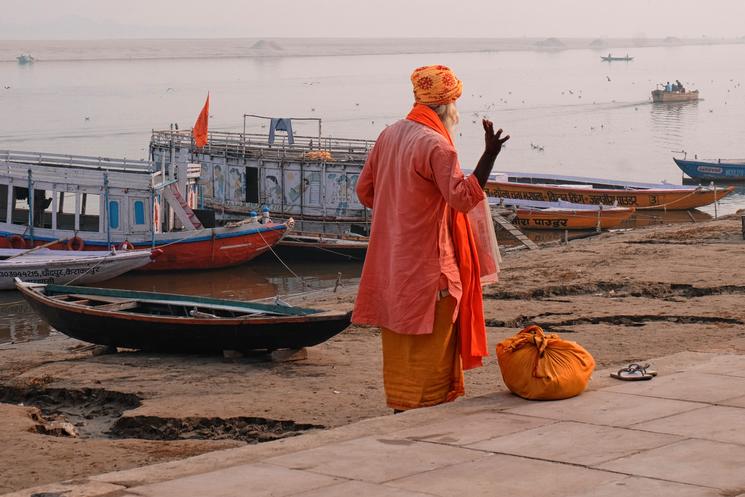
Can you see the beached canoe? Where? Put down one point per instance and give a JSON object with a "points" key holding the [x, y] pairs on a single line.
{"points": [[613, 193], [661, 96], [163, 322], [561, 215], [63, 266], [714, 170]]}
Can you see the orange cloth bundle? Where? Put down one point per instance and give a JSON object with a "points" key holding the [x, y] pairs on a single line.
{"points": [[544, 367]]}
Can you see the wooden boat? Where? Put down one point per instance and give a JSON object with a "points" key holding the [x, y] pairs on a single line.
{"points": [[562, 215], [579, 190], [311, 179], [661, 96], [610, 58], [61, 266], [162, 322], [322, 246], [91, 203], [718, 170]]}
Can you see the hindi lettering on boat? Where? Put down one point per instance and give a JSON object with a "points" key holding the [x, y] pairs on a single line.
{"points": [[581, 190]]}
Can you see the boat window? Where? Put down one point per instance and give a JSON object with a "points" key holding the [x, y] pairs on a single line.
{"points": [[114, 214], [90, 212], [19, 206], [252, 185], [139, 212], [65, 211], [42, 203], [3, 203]]}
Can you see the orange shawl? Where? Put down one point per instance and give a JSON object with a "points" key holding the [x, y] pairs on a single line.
{"points": [[470, 321]]}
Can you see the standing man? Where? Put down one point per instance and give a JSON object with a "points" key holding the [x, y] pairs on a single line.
{"points": [[420, 282]]}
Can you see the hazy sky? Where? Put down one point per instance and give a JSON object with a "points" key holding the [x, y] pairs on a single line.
{"points": [[77, 19]]}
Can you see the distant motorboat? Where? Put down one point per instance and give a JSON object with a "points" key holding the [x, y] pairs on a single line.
{"points": [[662, 96], [610, 58], [24, 59]]}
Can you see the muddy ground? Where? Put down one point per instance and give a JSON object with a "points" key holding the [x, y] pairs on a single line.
{"points": [[624, 296]]}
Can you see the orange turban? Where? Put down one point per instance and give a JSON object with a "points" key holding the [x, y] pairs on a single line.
{"points": [[436, 85]]}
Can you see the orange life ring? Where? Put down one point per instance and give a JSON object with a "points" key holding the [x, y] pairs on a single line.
{"points": [[75, 243], [126, 245], [17, 242]]}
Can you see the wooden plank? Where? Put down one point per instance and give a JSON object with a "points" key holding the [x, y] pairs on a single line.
{"points": [[514, 231], [118, 306]]}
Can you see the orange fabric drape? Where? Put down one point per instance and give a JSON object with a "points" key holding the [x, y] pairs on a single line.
{"points": [[423, 370], [199, 132], [470, 321]]}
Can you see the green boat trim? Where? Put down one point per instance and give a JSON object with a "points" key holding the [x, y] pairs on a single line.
{"points": [[178, 299]]}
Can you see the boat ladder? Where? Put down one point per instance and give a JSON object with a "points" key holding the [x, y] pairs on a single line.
{"points": [[514, 231], [181, 208]]}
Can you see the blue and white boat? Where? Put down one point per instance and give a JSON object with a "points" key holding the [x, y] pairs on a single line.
{"points": [[719, 170]]}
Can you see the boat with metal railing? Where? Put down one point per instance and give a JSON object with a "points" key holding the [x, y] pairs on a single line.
{"points": [[94, 203], [309, 178]]}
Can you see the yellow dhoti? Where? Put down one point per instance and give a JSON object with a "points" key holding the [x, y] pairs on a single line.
{"points": [[423, 370]]}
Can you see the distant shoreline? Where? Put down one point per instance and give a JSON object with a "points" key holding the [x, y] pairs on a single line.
{"points": [[226, 48]]}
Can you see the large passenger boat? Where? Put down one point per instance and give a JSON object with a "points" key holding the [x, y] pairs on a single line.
{"points": [[92, 203], [309, 178]]}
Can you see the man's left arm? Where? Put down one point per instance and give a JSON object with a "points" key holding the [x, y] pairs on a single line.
{"points": [[365, 183], [460, 192]]}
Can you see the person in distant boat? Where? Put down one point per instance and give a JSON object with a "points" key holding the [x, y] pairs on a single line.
{"points": [[680, 86], [668, 87], [420, 283], [674, 88]]}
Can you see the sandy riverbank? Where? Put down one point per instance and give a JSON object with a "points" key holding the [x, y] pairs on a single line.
{"points": [[625, 297]]}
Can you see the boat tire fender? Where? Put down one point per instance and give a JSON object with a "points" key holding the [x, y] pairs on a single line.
{"points": [[17, 242], [126, 245], [75, 243]]}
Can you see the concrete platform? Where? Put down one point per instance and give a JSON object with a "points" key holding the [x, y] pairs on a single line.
{"points": [[680, 434]]}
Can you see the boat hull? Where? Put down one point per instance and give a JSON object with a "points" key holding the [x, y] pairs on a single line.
{"points": [[664, 198], [81, 269], [322, 248], [714, 171], [659, 96], [537, 219], [199, 249], [185, 335]]}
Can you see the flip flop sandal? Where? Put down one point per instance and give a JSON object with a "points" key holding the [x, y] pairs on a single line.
{"points": [[644, 368], [631, 374]]}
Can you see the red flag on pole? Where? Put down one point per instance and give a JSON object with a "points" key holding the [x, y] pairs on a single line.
{"points": [[199, 132]]}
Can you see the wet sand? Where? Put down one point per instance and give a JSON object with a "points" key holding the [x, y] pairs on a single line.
{"points": [[626, 297]]}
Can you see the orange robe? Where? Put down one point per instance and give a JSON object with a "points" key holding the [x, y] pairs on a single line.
{"points": [[412, 174]]}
